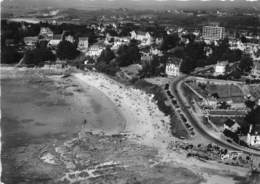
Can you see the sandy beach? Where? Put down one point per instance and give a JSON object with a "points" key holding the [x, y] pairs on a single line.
{"points": [[143, 118]]}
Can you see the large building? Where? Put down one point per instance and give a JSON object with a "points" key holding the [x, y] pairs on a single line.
{"points": [[213, 32]]}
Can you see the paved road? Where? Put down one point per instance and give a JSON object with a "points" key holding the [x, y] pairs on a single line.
{"points": [[175, 88]]}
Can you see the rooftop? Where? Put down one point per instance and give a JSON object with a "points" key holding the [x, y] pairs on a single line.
{"points": [[230, 122]]}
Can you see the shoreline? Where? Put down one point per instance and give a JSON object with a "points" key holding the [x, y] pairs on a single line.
{"points": [[143, 123]]}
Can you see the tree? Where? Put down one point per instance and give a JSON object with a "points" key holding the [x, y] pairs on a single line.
{"points": [[106, 55], [236, 73], [246, 64], [108, 68], [170, 41], [250, 104], [243, 39], [38, 56], [128, 55], [66, 50], [233, 55], [253, 117], [187, 66], [191, 37], [195, 50], [9, 55], [153, 68]]}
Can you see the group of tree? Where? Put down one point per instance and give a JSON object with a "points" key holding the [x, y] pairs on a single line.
{"points": [[154, 67], [128, 54], [253, 117], [106, 62], [194, 55], [170, 41], [109, 62], [9, 55], [67, 50], [38, 55]]}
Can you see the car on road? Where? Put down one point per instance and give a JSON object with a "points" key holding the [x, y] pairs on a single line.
{"points": [[174, 102], [183, 118], [166, 86]]}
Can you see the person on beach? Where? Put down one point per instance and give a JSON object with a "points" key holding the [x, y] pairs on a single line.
{"points": [[84, 123]]}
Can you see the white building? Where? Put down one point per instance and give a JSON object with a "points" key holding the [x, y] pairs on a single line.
{"points": [[95, 50], [210, 102], [83, 43], [54, 42], [253, 137], [220, 68], [172, 68], [30, 41], [213, 32], [115, 42], [144, 37]]}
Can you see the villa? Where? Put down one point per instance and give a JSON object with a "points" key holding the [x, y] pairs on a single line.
{"points": [[95, 50], [144, 37], [83, 43], [173, 67]]}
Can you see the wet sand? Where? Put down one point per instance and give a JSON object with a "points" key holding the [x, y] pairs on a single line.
{"points": [[37, 107], [39, 110]]}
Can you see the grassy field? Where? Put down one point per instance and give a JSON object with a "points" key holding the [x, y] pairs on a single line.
{"points": [[219, 121], [224, 92]]}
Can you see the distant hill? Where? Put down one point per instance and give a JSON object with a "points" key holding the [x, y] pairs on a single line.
{"points": [[23, 5]]}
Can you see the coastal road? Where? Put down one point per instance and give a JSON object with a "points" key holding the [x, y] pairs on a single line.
{"points": [[175, 88]]}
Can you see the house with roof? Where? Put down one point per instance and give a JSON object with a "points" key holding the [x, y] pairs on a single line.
{"points": [[231, 125], [68, 36], [83, 43], [115, 41], [46, 33], [54, 42], [95, 50], [144, 37], [30, 41], [253, 136], [172, 68]]}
